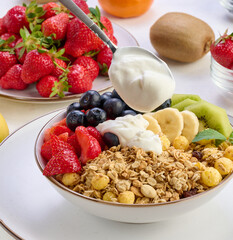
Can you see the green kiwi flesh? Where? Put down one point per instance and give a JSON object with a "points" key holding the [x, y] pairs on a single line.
{"points": [[176, 98], [214, 116], [183, 104]]}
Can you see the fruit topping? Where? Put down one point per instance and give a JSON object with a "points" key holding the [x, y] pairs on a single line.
{"points": [[90, 99], [75, 118], [96, 116], [111, 139]]}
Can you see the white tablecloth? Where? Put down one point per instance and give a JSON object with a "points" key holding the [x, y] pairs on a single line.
{"points": [[190, 77]]}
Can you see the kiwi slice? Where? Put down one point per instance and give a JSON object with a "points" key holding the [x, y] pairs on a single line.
{"points": [[183, 104], [176, 98], [213, 116]]}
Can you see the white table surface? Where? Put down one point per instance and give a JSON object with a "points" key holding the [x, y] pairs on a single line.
{"points": [[190, 78]]}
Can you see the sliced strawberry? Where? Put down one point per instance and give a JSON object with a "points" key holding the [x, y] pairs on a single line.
{"points": [[64, 136], [60, 123], [72, 140], [65, 161], [59, 145], [96, 134], [90, 147], [46, 150], [61, 129], [56, 130]]}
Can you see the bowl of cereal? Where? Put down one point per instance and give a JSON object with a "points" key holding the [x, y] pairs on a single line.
{"points": [[124, 181]]}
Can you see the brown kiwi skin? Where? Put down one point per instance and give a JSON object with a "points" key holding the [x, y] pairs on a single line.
{"points": [[181, 37]]}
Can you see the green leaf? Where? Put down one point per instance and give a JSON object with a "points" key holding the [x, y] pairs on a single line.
{"points": [[21, 52], [93, 11], [39, 9], [31, 15], [208, 134], [22, 33], [231, 138]]}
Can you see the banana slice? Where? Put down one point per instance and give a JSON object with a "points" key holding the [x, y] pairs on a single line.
{"points": [[153, 124], [191, 125], [170, 121]]}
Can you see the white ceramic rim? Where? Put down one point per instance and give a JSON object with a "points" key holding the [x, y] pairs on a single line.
{"points": [[54, 181]]}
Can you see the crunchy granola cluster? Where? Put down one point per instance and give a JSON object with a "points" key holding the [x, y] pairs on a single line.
{"points": [[131, 175]]}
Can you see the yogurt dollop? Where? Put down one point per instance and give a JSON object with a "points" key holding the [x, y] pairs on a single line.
{"points": [[131, 131], [141, 81]]}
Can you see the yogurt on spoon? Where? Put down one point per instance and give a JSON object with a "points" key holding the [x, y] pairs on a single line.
{"points": [[143, 82]]}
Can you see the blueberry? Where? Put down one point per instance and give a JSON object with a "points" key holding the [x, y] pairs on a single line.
{"points": [[128, 112], [73, 106], [95, 116], [166, 104], [113, 107], [105, 96], [116, 95], [90, 99], [74, 119], [110, 139]]}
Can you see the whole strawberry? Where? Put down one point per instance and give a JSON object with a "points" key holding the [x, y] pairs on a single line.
{"points": [[12, 79], [104, 58], [222, 50], [36, 66], [2, 28], [6, 36], [44, 85], [57, 72], [107, 24], [78, 79], [7, 60], [90, 64], [90, 147], [56, 25], [15, 19], [83, 5], [49, 10]]}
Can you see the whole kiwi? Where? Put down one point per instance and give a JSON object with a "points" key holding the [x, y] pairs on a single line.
{"points": [[182, 37]]}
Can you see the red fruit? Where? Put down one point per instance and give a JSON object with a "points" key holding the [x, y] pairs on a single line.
{"points": [[7, 60], [2, 28], [57, 130], [104, 58], [65, 161], [79, 79], [107, 23], [58, 71], [59, 145], [12, 79], [36, 66], [90, 64], [90, 147], [46, 150], [96, 134], [60, 123], [72, 140], [49, 11], [15, 19], [17, 51], [5, 36], [222, 51], [80, 39], [83, 5], [64, 136], [44, 85], [56, 25]]}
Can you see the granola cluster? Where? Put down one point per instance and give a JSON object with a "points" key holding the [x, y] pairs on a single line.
{"points": [[131, 175]]}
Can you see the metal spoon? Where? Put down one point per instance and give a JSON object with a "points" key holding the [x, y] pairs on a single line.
{"points": [[90, 24]]}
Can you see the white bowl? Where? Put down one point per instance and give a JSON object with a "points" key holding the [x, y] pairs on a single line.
{"points": [[130, 213]]}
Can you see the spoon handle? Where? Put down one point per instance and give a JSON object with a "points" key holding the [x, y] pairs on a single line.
{"points": [[89, 23]]}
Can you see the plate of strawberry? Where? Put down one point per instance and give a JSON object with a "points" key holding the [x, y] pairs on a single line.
{"points": [[47, 54]]}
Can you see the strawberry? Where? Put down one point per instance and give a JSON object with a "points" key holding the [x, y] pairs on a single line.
{"points": [[222, 50], [65, 161], [57, 72], [15, 19], [58, 130], [49, 10], [96, 134], [56, 25], [2, 28], [90, 64], [79, 79], [60, 123], [6, 36], [64, 136], [104, 59], [83, 5], [7, 60], [107, 24], [59, 145], [12, 79], [36, 66], [45, 84], [90, 147], [20, 58], [80, 39], [46, 150], [72, 140]]}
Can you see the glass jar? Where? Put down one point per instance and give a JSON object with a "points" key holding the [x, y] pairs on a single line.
{"points": [[228, 4], [222, 77]]}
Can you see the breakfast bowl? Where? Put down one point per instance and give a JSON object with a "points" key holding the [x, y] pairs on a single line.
{"points": [[124, 212]]}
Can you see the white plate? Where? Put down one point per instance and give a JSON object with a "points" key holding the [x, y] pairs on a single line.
{"points": [[33, 210], [101, 83]]}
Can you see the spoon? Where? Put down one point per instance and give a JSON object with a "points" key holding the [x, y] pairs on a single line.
{"points": [[91, 25]]}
